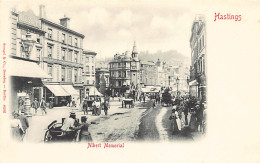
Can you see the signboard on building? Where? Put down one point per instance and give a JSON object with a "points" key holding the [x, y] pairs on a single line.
{"points": [[29, 18]]}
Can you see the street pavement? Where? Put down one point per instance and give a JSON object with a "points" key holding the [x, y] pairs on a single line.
{"points": [[140, 123], [147, 128], [39, 123]]}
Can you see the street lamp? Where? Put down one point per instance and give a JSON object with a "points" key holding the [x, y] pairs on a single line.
{"points": [[27, 44], [188, 84], [177, 82]]}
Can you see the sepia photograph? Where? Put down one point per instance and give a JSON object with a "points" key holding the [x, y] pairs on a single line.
{"points": [[78, 85], [129, 80]]}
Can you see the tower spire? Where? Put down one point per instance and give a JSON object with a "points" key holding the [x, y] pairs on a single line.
{"points": [[134, 52]]}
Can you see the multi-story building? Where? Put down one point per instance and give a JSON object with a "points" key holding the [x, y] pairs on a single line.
{"points": [[55, 54], [102, 79], [89, 73], [197, 81], [148, 73], [162, 74], [26, 51], [124, 71], [62, 59]]}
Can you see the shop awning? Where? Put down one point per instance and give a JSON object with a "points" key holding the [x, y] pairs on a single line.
{"points": [[69, 88], [193, 82], [150, 89], [94, 92], [57, 90], [23, 68]]}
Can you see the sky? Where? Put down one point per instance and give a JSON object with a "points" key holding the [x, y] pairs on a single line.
{"points": [[113, 27]]}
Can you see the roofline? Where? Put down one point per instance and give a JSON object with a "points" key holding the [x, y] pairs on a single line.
{"points": [[62, 27], [89, 52], [31, 27]]}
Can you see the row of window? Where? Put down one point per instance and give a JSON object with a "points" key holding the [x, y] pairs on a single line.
{"points": [[63, 38], [201, 65], [88, 59], [120, 74], [87, 70], [63, 74], [201, 43], [115, 65], [64, 57], [88, 82], [68, 57]]}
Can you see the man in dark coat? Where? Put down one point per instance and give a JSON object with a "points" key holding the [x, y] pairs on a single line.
{"points": [[85, 107], [35, 105], [43, 106], [106, 107], [186, 111], [199, 115]]}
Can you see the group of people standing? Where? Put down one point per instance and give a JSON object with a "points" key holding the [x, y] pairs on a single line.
{"points": [[35, 105], [188, 112], [96, 106]]}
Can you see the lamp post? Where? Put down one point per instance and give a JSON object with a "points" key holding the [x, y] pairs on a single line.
{"points": [[188, 84], [169, 78], [177, 82], [28, 43]]}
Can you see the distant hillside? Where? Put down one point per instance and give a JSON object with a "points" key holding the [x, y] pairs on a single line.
{"points": [[170, 57]]}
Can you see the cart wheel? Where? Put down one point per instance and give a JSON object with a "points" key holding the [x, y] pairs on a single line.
{"points": [[47, 136]]}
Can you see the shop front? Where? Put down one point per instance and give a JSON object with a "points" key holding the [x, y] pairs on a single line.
{"points": [[193, 88], [61, 94], [26, 82]]}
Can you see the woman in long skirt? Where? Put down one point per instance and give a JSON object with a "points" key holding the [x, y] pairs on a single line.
{"points": [[193, 120], [174, 126], [17, 129]]}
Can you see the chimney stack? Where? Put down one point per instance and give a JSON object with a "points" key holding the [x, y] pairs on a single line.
{"points": [[65, 21], [42, 11]]}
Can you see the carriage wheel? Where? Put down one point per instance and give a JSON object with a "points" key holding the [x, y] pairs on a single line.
{"points": [[47, 136]]}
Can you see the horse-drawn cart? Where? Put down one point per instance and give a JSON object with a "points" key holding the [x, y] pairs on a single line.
{"points": [[129, 102]]}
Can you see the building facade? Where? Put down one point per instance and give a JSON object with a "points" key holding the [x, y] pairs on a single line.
{"points": [[57, 51], [148, 73], [89, 59], [25, 58], [198, 70], [124, 71], [102, 80]]}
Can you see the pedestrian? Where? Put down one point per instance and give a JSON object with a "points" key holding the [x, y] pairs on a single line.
{"points": [[199, 115], [25, 124], [78, 103], [153, 103], [106, 107], [84, 134], [186, 112], [85, 107], [16, 126], [35, 105], [98, 107], [43, 106], [20, 105], [193, 120], [204, 120], [94, 108], [174, 126]]}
